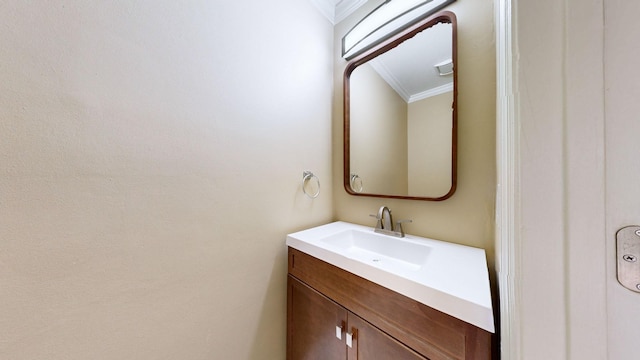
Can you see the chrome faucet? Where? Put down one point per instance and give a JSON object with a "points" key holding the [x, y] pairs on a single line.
{"points": [[385, 223], [384, 214]]}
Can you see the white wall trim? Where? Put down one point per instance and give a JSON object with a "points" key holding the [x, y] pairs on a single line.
{"points": [[327, 8], [337, 12], [507, 199], [345, 7], [431, 92], [388, 76]]}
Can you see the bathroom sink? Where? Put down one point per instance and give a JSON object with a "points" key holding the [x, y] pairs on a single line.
{"points": [[448, 277], [379, 250]]}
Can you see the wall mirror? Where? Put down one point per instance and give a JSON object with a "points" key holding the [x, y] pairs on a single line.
{"points": [[400, 117]]}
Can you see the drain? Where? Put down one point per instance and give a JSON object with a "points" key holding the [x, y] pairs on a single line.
{"points": [[376, 260]]}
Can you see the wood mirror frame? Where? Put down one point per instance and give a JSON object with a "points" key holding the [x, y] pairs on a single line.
{"points": [[392, 42]]}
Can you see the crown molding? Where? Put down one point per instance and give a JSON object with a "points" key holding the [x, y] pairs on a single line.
{"points": [[326, 7], [432, 92], [344, 8], [336, 12], [384, 73]]}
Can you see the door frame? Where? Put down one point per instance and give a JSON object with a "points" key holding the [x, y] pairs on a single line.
{"points": [[507, 246], [550, 125]]}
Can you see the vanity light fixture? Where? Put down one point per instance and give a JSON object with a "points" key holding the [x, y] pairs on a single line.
{"points": [[385, 21]]}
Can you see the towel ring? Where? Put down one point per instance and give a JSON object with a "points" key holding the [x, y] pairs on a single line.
{"points": [[356, 183], [306, 177]]}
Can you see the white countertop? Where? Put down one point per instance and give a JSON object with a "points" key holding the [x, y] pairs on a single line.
{"points": [[451, 278]]}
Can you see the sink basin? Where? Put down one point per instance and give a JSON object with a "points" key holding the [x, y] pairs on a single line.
{"points": [[448, 277], [378, 250]]}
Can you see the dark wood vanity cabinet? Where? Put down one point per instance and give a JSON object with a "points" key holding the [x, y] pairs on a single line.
{"points": [[311, 320], [318, 329], [326, 304]]}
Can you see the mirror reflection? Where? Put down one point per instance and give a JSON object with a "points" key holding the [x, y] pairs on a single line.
{"points": [[400, 117]]}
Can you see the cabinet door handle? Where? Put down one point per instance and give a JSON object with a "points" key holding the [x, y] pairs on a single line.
{"points": [[350, 337], [339, 332]]}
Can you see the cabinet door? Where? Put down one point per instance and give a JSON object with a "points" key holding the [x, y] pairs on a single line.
{"points": [[311, 325], [369, 343]]}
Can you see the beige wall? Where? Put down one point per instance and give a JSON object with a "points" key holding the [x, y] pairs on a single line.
{"points": [[151, 158], [378, 145], [468, 216], [429, 129]]}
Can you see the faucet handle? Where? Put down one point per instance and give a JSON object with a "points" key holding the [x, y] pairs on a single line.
{"points": [[399, 225]]}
